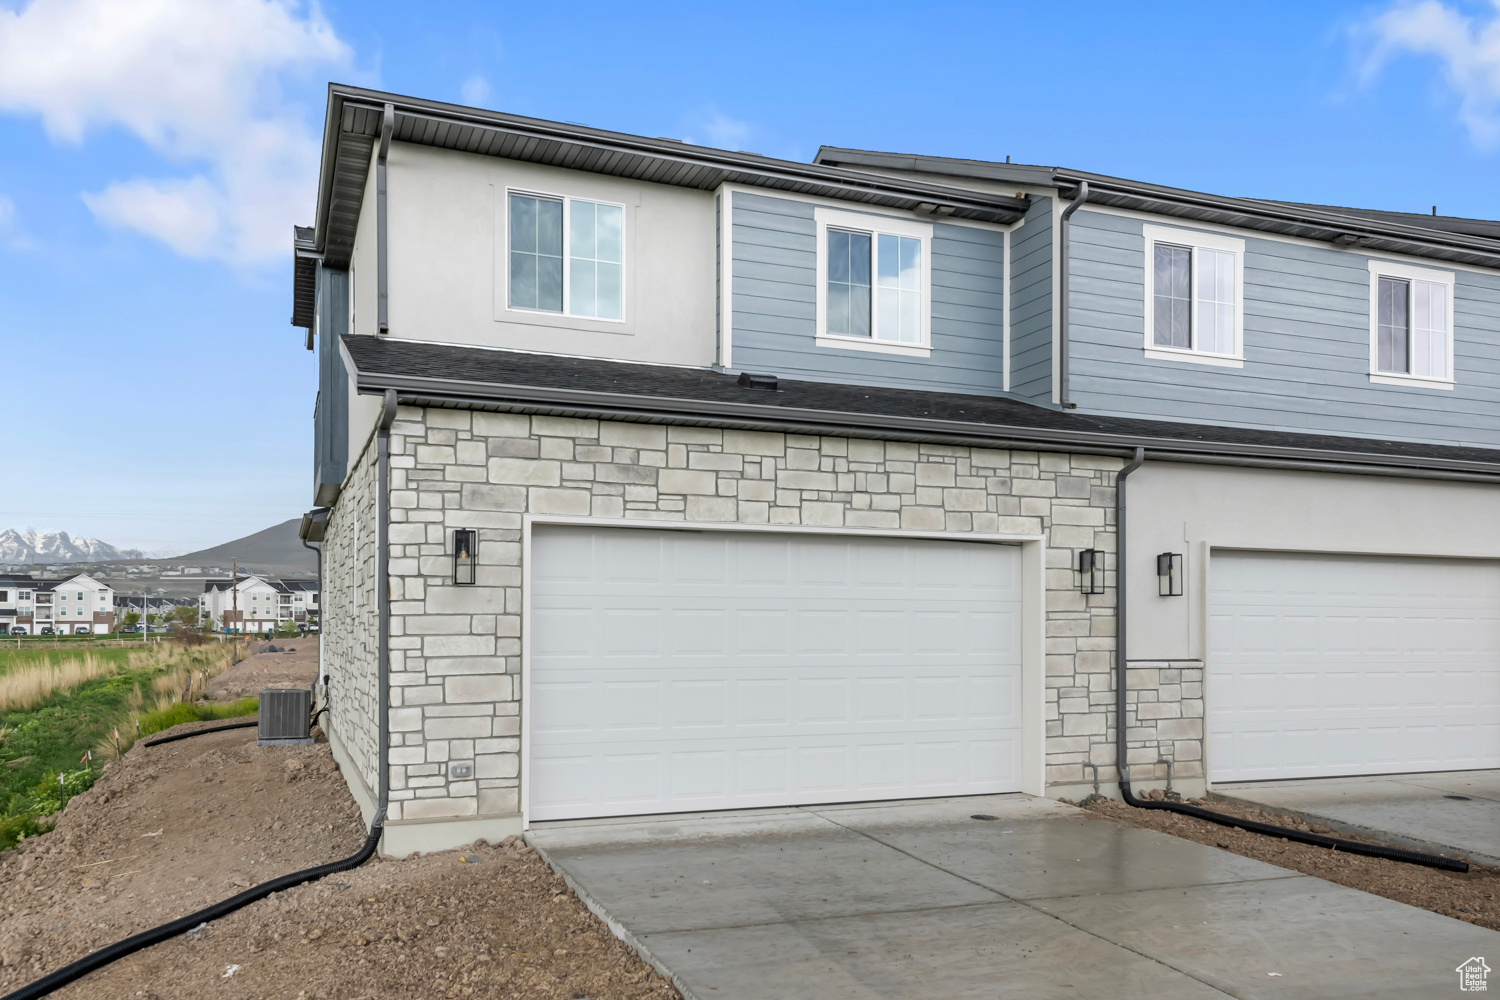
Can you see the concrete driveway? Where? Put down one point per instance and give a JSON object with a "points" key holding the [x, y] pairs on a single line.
{"points": [[1456, 813], [918, 899]]}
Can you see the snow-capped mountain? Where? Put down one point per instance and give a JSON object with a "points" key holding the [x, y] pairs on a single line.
{"points": [[19, 549]]}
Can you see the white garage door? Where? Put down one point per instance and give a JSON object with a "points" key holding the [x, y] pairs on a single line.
{"points": [[675, 671], [1333, 665]]}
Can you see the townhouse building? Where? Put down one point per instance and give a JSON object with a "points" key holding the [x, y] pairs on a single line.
{"points": [[256, 603], [658, 478], [78, 605]]}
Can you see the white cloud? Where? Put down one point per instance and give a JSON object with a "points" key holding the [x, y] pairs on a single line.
{"points": [[475, 91], [718, 129], [10, 233], [198, 82], [1467, 47]]}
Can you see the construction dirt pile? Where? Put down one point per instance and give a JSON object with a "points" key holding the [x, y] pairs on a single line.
{"points": [[282, 663], [1473, 896], [170, 829]]}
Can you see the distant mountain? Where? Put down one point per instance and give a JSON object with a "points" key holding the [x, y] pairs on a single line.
{"points": [[277, 550], [56, 547]]}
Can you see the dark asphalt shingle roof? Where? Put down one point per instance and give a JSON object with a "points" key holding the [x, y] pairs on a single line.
{"points": [[437, 373]]}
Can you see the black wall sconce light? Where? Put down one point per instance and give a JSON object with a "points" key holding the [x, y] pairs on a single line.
{"points": [[465, 555], [1169, 574], [1091, 571]]}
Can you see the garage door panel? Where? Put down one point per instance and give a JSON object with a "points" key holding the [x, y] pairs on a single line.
{"points": [[784, 670], [1325, 665]]}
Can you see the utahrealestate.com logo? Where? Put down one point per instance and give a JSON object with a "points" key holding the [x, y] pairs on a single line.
{"points": [[1471, 976]]}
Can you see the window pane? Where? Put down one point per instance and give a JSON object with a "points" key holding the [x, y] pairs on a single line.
{"points": [[535, 253], [523, 224], [610, 233], [608, 288], [911, 317], [848, 283], [1429, 333], [838, 307], [581, 293], [1391, 334], [594, 236], [888, 318], [549, 227], [911, 263], [581, 230], [1171, 303], [889, 261], [549, 283], [1215, 301], [523, 280]]}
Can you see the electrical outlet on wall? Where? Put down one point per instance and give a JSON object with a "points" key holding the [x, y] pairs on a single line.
{"points": [[464, 770]]}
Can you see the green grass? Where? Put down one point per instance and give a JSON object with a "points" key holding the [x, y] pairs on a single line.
{"points": [[177, 714], [41, 744]]}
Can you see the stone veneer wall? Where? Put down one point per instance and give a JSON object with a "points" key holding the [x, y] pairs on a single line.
{"points": [[456, 650], [349, 623]]}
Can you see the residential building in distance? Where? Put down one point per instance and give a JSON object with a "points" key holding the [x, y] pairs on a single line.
{"points": [[716, 481], [256, 603], [78, 605]]}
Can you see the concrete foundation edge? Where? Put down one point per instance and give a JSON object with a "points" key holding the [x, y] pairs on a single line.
{"points": [[401, 838], [616, 928], [1188, 788]]}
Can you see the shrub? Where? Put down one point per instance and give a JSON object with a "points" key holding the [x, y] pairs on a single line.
{"points": [[15, 828]]}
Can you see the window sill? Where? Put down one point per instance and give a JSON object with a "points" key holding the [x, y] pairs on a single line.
{"points": [[1193, 357], [1412, 381], [874, 346]]}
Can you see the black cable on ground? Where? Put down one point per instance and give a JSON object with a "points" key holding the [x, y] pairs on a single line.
{"points": [[1315, 839], [200, 732], [109, 953]]}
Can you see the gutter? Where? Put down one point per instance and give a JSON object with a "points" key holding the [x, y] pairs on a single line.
{"points": [[425, 391], [1065, 270]]}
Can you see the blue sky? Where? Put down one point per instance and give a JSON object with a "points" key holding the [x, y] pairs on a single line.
{"points": [[153, 160]]}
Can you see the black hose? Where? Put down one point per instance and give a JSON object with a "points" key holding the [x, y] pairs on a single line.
{"points": [[199, 732], [1315, 839], [109, 953]]}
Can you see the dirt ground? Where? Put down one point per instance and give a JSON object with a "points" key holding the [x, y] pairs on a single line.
{"points": [[296, 665], [170, 829], [1474, 896]]}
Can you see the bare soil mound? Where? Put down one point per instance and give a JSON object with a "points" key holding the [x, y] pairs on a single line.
{"points": [[295, 664], [170, 829]]}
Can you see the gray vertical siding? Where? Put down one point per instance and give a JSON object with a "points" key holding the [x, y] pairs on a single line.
{"points": [[331, 415], [1306, 346], [775, 305], [1031, 305]]}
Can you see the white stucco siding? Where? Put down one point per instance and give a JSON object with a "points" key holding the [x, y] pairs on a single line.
{"points": [[447, 245], [1195, 509]]}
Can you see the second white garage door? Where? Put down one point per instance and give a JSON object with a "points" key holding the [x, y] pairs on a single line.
{"points": [[1339, 665], [675, 671]]}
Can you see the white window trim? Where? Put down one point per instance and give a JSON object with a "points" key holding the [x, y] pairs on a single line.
{"points": [[1390, 269], [873, 224], [1194, 240], [567, 299]]}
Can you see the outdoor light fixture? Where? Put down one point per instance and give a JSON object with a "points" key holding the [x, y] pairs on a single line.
{"points": [[1091, 571], [465, 554], [1169, 574]]}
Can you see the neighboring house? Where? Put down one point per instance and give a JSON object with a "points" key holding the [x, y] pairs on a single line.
{"points": [[255, 603], [720, 481], [17, 596], [79, 605]]}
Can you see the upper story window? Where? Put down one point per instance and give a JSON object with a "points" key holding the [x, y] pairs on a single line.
{"points": [[874, 283], [567, 256], [1411, 325], [1194, 305]]}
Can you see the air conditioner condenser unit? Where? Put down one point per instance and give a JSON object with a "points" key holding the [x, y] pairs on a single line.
{"points": [[285, 716]]}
